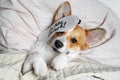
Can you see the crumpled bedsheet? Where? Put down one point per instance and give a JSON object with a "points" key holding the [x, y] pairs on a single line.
{"points": [[11, 65]]}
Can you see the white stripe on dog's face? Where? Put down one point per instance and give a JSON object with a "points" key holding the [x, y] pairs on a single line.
{"points": [[64, 42]]}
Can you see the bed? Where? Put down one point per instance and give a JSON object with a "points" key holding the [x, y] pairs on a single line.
{"points": [[22, 21]]}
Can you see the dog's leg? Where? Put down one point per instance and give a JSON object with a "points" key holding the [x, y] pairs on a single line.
{"points": [[36, 62], [59, 62]]}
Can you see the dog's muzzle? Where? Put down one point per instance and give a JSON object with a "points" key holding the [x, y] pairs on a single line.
{"points": [[58, 44]]}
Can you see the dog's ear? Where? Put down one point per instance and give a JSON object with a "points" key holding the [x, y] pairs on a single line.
{"points": [[63, 10], [95, 35]]}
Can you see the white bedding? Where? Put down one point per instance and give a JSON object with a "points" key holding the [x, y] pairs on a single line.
{"points": [[22, 21], [113, 4], [11, 64]]}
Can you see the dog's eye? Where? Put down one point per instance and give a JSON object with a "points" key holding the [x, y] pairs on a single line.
{"points": [[73, 40]]}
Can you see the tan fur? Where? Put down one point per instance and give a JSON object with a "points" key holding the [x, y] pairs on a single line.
{"points": [[59, 11], [80, 34]]}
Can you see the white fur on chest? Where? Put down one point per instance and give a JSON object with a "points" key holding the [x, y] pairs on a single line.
{"points": [[44, 50]]}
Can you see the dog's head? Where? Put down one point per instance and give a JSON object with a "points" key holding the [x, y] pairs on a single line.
{"points": [[77, 39]]}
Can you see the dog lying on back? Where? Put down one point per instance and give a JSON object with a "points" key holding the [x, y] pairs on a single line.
{"points": [[63, 46]]}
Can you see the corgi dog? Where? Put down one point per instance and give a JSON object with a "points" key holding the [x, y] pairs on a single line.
{"points": [[63, 46]]}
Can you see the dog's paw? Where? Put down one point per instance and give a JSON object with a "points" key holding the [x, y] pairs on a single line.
{"points": [[40, 67], [59, 62], [35, 62], [56, 65]]}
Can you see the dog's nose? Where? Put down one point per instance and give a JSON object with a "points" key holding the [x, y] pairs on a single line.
{"points": [[58, 44]]}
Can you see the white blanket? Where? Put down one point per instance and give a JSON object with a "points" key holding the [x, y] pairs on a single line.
{"points": [[11, 64]]}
